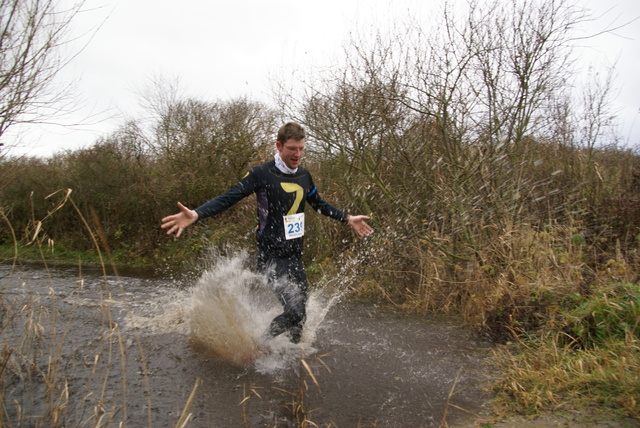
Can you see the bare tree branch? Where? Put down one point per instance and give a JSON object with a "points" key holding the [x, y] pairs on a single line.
{"points": [[33, 33]]}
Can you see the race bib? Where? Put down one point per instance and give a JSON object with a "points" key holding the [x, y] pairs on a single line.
{"points": [[293, 226]]}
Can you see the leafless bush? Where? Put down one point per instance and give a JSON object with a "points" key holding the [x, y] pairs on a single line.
{"points": [[33, 34]]}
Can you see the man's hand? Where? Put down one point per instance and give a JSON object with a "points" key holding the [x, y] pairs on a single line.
{"points": [[179, 222], [357, 223]]}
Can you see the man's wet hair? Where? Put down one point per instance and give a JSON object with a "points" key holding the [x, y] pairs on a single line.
{"points": [[291, 130]]}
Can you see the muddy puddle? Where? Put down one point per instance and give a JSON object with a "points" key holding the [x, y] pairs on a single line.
{"points": [[85, 349]]}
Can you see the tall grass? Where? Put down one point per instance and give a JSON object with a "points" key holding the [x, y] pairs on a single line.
{"points": [[549, 372], [584, 352]]}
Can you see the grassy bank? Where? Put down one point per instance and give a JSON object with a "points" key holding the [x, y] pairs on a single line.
{"points": [[587, 359], [50, 254]]}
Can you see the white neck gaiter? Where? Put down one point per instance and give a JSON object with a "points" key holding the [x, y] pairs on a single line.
{"points": [[283, 166]]}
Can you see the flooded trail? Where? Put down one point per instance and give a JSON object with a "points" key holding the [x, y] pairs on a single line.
{"points": [[123, 349]]}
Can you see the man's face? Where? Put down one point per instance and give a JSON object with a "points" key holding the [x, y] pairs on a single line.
{"points": [[291, 152]]}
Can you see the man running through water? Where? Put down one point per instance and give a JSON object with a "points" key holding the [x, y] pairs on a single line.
{"points": [[282, 187]]}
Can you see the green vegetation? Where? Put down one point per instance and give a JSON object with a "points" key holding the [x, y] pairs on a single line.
{"points": [[498, 197], [590, 358]]}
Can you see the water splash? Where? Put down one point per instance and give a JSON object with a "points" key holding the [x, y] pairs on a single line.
{"points": [[166, 311], [231, 309], [227, 312]]}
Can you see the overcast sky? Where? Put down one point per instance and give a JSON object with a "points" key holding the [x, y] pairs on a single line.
{"points": [[221, 50]]}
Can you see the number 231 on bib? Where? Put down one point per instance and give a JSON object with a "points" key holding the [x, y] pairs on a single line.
{"points": [[294, 226]]}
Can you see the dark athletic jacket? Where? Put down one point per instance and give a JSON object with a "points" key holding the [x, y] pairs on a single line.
{"points": [[277, 195]]}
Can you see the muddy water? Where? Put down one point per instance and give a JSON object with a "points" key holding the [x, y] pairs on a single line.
{"points": [[114, 348]]}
